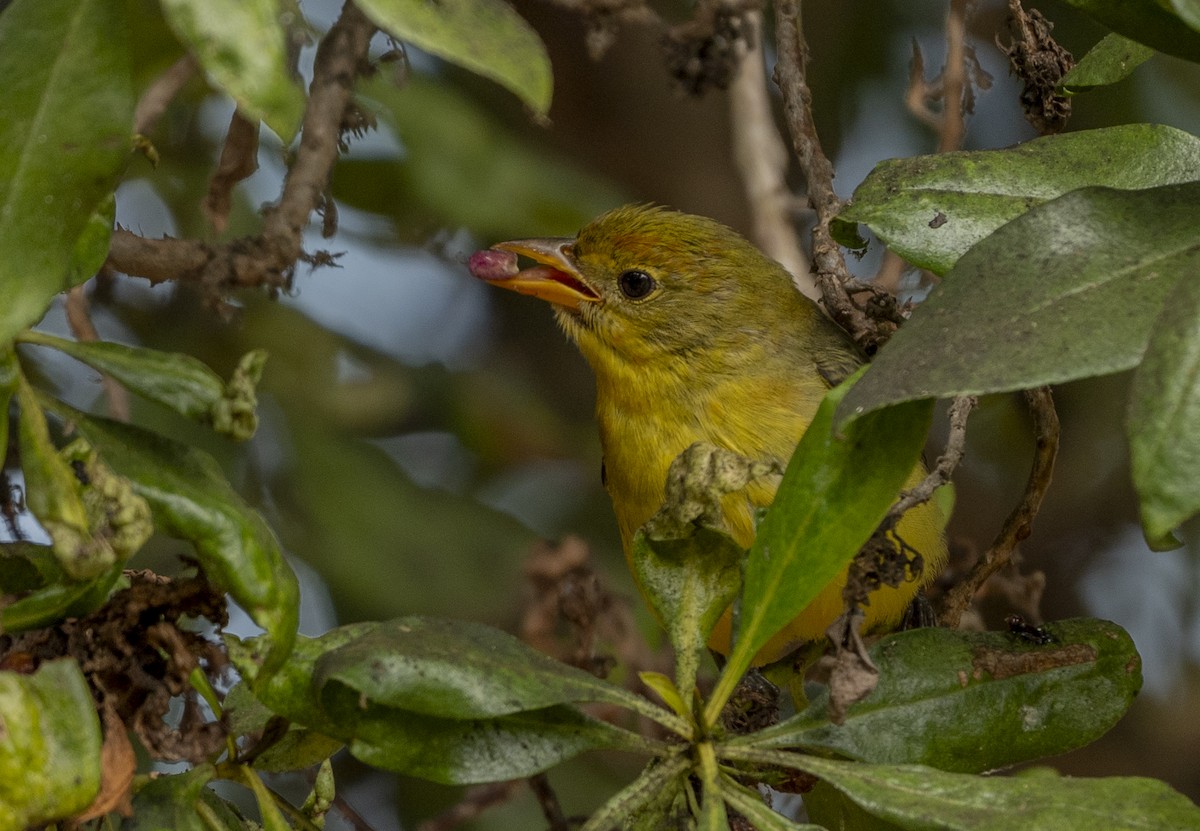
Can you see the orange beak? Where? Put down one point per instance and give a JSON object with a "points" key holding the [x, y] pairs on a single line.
{"points": [[556, 278]]}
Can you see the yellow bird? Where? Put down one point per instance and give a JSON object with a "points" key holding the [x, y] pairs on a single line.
{"points": [[693, 334]]}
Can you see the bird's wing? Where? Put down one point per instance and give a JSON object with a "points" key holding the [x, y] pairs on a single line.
{"points": [[838, 363]]}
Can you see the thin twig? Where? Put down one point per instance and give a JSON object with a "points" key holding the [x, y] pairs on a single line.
{"points": [[80, 321], [239, 160], [1019, 523], [349, 814], [960, 410], [548, 800], [954, 79], [161, 92], [268, 259], [831, 273], [762, 161]]}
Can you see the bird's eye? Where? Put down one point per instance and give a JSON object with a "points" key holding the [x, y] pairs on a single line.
{"points": [[636, 284]]}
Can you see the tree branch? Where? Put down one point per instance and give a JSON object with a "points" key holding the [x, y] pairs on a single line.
{"points": [[762, 161], [268, 259], [830, 266], [1020, 522]]}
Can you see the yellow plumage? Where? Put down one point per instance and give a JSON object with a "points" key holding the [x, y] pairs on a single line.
{"points": [[695, 335]]}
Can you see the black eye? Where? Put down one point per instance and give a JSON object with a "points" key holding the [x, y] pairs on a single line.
{"points": [[636, 284]]}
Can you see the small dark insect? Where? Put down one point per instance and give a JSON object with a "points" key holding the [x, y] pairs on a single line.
{"points": [[939, 219], [1018, 628], [81, 472]]}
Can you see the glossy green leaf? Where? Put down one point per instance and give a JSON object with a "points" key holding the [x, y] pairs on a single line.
{"points": [[460, 752], [931, 209], [824, 511], [242, 45], [49, 747], [456, 750], [1109, 61], [174, 380], [192, 500], [919, 797], [463, 167], [1164, 417], [58, 599], [485, 36], [690, 581], [65, 122], [1150, 22], [453, 669], [976, 701], [1069, 290]]}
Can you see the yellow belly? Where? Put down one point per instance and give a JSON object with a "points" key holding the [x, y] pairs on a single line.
{"points": [[921, 528], [642, 434]]}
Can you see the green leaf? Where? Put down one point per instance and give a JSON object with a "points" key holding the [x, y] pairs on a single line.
{"points": [[931, 209], [54, 494], [749, 804], [49, 747], [915, 796], [1109, 61], [656, 786], [690, 582], [191, 499], [830, 808], [242, 45], [461, 752], [1188, 11], [65, 122], [290, 692], [452, 750], [57, 600], [976, 701], [824, 511], [1150, 22], [712, 816], [463, 167], [10, 376], [1164, 417], [485, 36], [174, 380], [268, 810], [297, 749], [1069, 290], [453, 669], [180, 802], [665, 689]]}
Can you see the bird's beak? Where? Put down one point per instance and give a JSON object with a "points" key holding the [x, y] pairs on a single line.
{"points": [[555, 279]]}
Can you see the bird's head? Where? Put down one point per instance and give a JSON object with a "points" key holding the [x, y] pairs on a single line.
{"points": [[647, 284]]}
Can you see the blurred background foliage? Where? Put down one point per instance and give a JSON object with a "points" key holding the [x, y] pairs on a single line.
{"points": [[421, 432]]}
